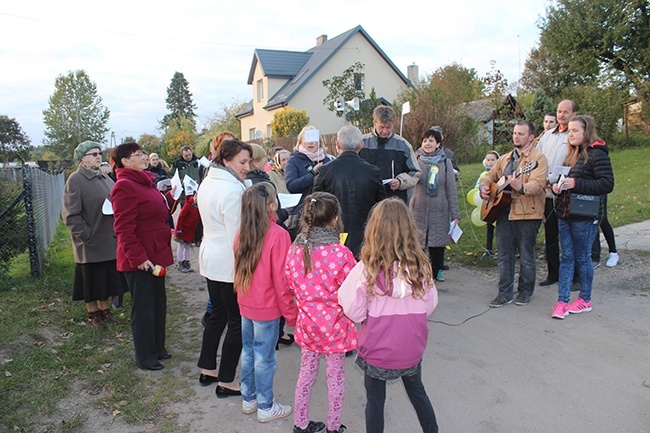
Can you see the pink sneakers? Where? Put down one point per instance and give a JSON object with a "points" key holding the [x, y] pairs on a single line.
{"points": [[579, 305], [560, 311]]}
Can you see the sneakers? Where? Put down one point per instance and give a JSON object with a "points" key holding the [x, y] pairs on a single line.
{"points": [[560, 311], [249, 407], [612, 260], [340, 429], [440, 276], [277, 411], [578, 306], [499, 301], [595, 264], [312, 427], [522, 299], [185, 267], [486, 254]]}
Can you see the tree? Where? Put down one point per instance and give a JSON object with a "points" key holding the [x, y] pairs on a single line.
{"points": [[366, 108], [75, 114], [14, 143], [347, 86], [289, 122], [602, 35], [150, 143], [180, 133], [179, 102], [222, 121], [540, 105]]}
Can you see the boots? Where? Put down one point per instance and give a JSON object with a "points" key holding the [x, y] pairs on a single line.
{"points": [[95, 319], [108, 317]]}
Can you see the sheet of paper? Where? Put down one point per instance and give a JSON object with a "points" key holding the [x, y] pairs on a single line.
{"points": [[385, 181], [560, 169], [312, 135], [342, 238], [205, 162], [455, 231], [107, 207], [176, 182], [190, 185], [163, 183], [289, 200]]}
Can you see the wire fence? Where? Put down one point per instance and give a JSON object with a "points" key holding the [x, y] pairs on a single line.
{"points": [[30, 208]]}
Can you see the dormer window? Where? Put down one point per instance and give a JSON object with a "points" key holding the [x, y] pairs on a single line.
{"points": [[260, 90]]}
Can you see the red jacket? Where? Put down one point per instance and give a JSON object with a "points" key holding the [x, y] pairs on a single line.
{"points": [[141, 213], [268, 297]]}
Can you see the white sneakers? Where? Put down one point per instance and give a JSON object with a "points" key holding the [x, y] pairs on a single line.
{"points": [[249, 407], [612, 260], [277, 411]]}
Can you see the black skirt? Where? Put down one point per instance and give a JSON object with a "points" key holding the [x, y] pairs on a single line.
{"points": [[97, 281]]}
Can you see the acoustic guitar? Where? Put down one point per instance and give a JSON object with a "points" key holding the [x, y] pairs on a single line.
{"points": [[501, 196]]}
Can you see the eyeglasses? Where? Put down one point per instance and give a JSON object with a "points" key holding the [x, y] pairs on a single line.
{"points": [[93, 154], [136, 154]]}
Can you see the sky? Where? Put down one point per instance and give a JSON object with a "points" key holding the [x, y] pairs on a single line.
{"points": [[131, 49]]}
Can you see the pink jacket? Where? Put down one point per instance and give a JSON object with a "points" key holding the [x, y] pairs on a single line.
{"points": [[394, 331], [321, 326], [268, 297]]}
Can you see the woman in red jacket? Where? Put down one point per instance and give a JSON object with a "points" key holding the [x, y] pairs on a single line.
{"points": [[141, 213]]}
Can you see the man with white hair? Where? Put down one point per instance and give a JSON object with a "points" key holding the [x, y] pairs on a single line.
{"points": [[356, 183]]}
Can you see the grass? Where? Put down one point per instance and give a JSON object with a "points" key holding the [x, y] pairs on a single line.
{"points": [[49, 353]]}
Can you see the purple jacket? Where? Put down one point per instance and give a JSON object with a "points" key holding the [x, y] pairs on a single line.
{"points": [[394, 331]]}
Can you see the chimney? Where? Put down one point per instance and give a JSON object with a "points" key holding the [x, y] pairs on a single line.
{"points": [[413, 74], [321, 39]]}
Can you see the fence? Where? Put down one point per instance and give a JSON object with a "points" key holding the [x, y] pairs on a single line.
{"points": [[30, 208]]}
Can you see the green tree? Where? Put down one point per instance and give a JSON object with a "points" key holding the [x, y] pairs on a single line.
{"points": [[366, 108], [602, 36], [222, 121], [347, 86], [180, 133], [179, 102], [540, 105], [150, 143], [14, 143], [75, 114], [289, 122]]}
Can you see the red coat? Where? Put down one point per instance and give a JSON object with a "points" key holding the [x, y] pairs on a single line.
{"points": [[141, 213]]}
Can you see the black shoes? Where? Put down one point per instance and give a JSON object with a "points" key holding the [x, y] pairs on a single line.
{"points": [[165, 356], [499, 301], [223, 392], [286, 341], [547, 282], [156, 367], [522, 299], [312, 427], [206, 380]]}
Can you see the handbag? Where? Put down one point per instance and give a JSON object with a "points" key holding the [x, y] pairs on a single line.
{"points": [[584, 205]]}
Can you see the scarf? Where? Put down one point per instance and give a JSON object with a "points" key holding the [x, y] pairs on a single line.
{"points": [[434, 171], [228, 169], [317, 156], [95, 170], [318, 236]]}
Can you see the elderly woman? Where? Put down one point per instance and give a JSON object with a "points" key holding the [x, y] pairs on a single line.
{"points": [[434, 203], [143, 241], [276, 174], [219, 200], [95, 274], [300, 171]]}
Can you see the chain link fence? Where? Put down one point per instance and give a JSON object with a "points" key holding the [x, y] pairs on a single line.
{"points": [[30, 208]]}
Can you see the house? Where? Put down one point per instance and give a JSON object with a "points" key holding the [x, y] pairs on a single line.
{"points": [[283, 79], [494, 117]]}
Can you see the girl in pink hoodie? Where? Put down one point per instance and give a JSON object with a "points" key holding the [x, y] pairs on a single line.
{"points": [[391, 292]]}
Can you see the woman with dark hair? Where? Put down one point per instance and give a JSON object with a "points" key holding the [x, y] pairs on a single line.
{"points": [[590, 178], [141, 213], [219, 200], [93, 240], [434, 203]]}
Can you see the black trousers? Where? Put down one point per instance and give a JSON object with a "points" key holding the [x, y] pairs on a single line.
{"points": [[552, 240], [437, 257], [225, 312], [148, 316], [608, 232]]}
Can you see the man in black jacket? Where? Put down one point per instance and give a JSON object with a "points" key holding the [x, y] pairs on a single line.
{"points": [[356, 183]]}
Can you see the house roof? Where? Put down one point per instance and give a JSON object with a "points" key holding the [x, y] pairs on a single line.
{"points": [[483, 110], [300, 67]]}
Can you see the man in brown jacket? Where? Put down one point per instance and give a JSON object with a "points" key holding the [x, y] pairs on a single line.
{"points": [[518, 225]]}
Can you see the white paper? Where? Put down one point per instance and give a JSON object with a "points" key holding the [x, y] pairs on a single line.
{"points": [[455, 231], [560, 169], [385, 181], [205, 162], [107, 207], [190, 185], [312, 135], [176, 182], [163, 183], [289, 200]]}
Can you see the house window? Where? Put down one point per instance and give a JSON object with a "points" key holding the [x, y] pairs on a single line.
{"points": [[358, 82], [260, 90], [251, 134], [268, 130]]}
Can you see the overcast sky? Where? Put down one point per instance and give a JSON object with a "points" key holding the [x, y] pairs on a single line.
{"points": [[131, 49]]}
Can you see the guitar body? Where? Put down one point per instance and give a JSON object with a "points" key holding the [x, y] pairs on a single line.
{"points": [[495, 204]]}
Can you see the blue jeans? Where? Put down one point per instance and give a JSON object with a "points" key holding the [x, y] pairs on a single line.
{"points": [[512, 235], [576, 238], [376, 398], [258, 360]]}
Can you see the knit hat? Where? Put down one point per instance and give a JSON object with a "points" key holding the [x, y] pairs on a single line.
{"points": [[84, 147], [437, 128]]}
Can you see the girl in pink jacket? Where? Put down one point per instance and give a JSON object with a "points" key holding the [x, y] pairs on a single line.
{"points": [[260, 252], [316, 266], [391, 291]]}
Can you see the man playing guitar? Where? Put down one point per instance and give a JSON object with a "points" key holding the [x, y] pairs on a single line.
{"points": [[517, 227]]}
